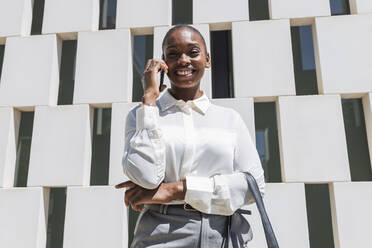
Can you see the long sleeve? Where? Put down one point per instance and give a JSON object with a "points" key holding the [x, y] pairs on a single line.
{"points": [[144, 157], [224, 194]]}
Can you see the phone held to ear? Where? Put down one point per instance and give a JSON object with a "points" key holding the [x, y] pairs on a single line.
{"points": [[161, 79], [161, 76]]}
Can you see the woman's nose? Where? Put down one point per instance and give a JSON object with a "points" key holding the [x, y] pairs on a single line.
{"points": [[184, 59]]}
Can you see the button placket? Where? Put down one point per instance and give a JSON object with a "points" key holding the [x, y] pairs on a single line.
{"points": [[189, 151]]}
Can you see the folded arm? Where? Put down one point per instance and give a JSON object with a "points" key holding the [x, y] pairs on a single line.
{"points": [[144, 157]]}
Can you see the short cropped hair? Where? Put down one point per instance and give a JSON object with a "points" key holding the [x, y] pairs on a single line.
{"points": [[183, 26]]}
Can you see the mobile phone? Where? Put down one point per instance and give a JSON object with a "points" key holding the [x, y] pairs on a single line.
{"points": [[161, 75], [161, 79]]}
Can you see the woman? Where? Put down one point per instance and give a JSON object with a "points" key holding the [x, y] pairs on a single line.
{"points": [[185, 156]]}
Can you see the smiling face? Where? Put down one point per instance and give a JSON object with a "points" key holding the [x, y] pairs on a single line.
{"points": [[186, 57]]}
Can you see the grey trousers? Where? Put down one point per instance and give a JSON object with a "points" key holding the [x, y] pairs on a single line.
{"points": [[169, 226]]}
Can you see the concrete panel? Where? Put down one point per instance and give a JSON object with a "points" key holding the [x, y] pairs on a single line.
{"points": [[9, 124], [263, 66], [351, 214], [245, 107], [15, 17], [96, 217], [286, 207], [143, 13], [70, 16], [61, 146], [367, 108], [312, 139], [36, 57], [299, 9], [360, 6], [216, 11], [23, 220], [159, 33], [118, 121], [103, 67], [344, 66]]}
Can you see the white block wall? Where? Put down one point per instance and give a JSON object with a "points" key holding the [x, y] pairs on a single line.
{"points": [[263, 66], [15, 17], [103, 67], [65, 132], [95, 217], [23, 219], [70, 16], [30, 74], [311, 131]]}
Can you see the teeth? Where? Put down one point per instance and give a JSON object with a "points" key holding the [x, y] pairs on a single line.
{"points": [[183, 73]]}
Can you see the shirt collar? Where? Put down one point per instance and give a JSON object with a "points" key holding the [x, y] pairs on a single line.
{"points": [[200, 104]]}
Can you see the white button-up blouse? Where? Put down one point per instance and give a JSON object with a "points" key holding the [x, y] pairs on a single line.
{"points": [[206, 144]]}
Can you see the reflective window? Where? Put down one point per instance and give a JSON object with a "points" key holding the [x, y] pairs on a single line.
{"points": [[56, 217], [356, 138], [99, 174], [107, 16], [37, 16], [2, 49], [67, 72], [267, 142], [222, 73], [304, 60], [181, 12], [143, 51], [258, 10], [319, 216], [23, 149], [340, 7]]}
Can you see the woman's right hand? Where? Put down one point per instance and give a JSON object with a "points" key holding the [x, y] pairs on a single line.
{"points": [[151, 80]]}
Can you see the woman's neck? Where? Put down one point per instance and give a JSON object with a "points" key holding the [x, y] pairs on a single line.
{"points": [[186, 94]]}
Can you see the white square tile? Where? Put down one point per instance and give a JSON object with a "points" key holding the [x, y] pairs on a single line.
{"points": [[351, 206], [9, 124], [96, 217], [312, 139], [215, 11], [61, 146], [69, 16], [15, 17], [30, 74], [343, 54], [103, 67], [22, 215], [263, 66], [360, 6], [159, 33], [291, 9], [285, 204], [143, 13]]}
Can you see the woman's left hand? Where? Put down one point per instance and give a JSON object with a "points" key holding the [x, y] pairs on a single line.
{"points": [[165, 193]]}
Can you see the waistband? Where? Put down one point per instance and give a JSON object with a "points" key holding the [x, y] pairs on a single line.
{"points": [[163, 208]]}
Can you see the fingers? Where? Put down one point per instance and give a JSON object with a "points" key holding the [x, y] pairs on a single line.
{"points": [[135, 198], [155, 65], [127, 184], [129, 194]]}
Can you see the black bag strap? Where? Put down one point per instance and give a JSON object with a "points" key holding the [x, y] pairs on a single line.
{"points": [[269, 232]]}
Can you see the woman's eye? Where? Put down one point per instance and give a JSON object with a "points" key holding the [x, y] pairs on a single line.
{"points": [[194, 52]]}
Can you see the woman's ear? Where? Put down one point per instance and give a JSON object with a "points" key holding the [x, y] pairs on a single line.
{"points": [[208, 61]]}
